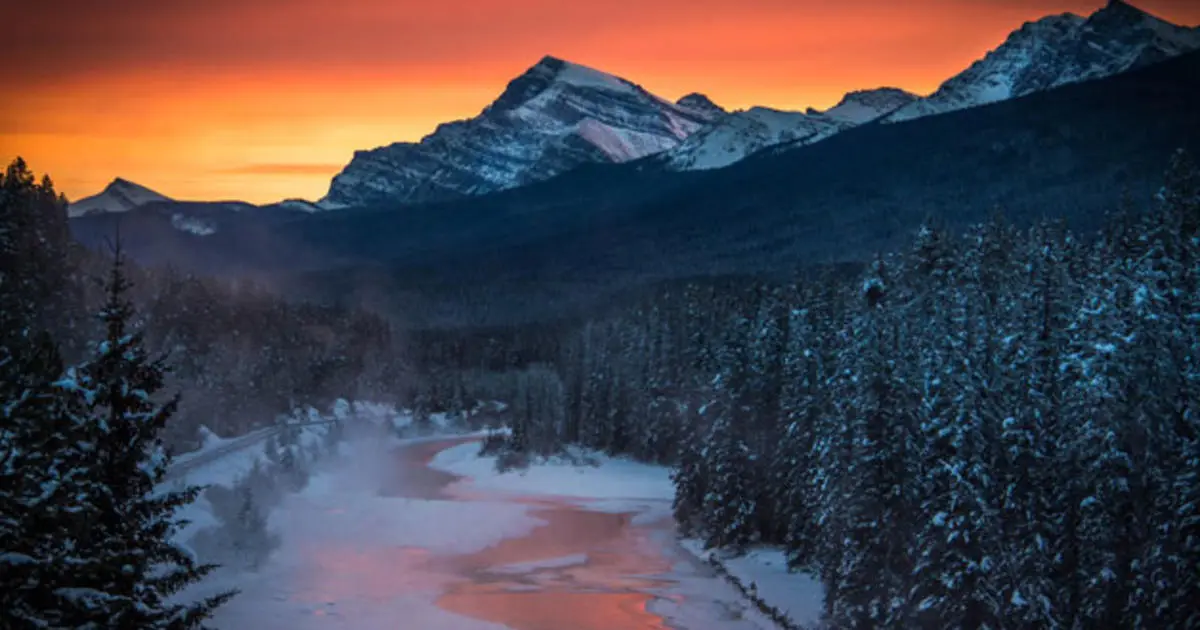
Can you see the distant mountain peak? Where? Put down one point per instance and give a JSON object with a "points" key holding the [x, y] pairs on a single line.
{"points": [[862, 106], [550, 70], [553, 117], [1121, 8], [700, 103], [120, 195], [735, 136], [1057, 50]]}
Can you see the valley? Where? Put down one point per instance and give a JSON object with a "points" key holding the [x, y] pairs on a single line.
{"points": [[905, 337]]}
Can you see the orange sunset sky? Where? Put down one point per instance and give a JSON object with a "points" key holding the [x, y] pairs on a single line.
{"points": [[264, 99]]}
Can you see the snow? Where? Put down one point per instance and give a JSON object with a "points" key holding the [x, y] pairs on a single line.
{"points": [[326, 204], [583, 76], [208, 439], [860, 107], [740, 134], [399, 420], [1180, 38], [192, 225], [611, 478], [300, 205], [119, 196], [211, 442], [551, 563], [622, 145], [1049, 53], [623, 486], [853, 112], [354, 558], [344, 509], [764, 571]]}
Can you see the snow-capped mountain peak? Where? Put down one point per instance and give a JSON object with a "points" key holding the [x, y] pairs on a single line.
{"points": [[740, 134], [863, 106], [550, 71], [552, 118], [120, 195], [1057, 50], [701, 103]]}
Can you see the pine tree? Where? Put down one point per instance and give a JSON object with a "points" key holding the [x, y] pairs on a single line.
{"points": [[868, 584], [954, 546], [127, 566], [271, 449], [44, 484], [690, 477], [34, 241], [249, 537], [1169, 289], [729, 502]]}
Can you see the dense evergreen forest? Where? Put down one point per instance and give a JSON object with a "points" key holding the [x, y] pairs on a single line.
{"points": [[106, 369], [85, 528], [993, 429], [990, 429], [239, 353]]}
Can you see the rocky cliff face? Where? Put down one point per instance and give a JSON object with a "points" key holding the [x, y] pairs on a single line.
{"points": [[559, 115], [1057, 50], [734, 137], [553, 118]]}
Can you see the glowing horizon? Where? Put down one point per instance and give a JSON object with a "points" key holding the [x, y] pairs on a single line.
{"points": [[260, 100]]}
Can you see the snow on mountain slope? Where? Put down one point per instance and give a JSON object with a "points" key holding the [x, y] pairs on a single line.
{"points": [[299, 205], [119, 196], [193, 225], [1057, 50], [740, 134], [864, 106], [554, 117], [701, 104]]}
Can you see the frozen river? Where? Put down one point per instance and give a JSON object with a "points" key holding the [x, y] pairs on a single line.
{"points": [[384, 540]]}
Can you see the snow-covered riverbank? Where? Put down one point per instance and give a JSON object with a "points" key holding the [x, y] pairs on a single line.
{"points": [[619, 484], [424, 533]]}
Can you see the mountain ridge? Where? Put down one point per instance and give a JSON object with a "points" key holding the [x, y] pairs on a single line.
{"points": [[120, 195], [553, 117], [568, 241], [558, 115], [1057, 50]]}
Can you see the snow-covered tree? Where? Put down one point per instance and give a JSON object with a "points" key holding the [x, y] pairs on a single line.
{"points": [[126, 566], [250, 540], [45, 483]]}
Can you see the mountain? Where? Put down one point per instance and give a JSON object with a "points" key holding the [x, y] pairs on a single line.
{"points": [[572, 242], [742, 133], [125, 202], [739, 134], [119, 196], [1058, 50], [864, 106], [702, 105], [551, 119]]}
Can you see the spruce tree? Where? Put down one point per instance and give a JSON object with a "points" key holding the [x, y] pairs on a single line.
{"points": [[45, 483], [249, 538], [127, 566]]}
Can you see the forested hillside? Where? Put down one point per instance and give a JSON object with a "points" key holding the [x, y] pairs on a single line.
{"points": [[997, 428], [1017, 405], [239, 353]]}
